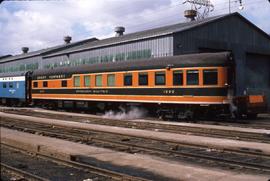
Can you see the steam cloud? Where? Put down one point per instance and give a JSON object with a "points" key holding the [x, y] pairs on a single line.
{"points": [[132, 113]]}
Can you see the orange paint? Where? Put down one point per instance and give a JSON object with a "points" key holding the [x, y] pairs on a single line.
{"points": [[256, 99], [87, 97], [222, 78]]}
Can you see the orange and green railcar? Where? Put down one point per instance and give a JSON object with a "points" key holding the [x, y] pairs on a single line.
{"points": [[182, 86]]}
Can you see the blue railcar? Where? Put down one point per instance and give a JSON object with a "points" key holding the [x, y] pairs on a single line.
{"points": [[14, 88]]}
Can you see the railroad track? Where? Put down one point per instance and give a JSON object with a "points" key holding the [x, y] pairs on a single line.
{"points": [[245, 160], [259, 123], [99, 173], [22, 175], [179, 129]]}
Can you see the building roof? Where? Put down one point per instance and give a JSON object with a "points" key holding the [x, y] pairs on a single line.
{"points": [[151, 33], [46, 50], [93, 43], [4, 56]]}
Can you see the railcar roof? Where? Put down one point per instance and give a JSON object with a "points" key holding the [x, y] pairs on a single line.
{"points": [[189, 60]]}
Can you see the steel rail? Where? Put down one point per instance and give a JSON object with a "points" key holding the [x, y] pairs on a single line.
{"points": [[21, 173], [89, 168], [212, 132], [253, 152], [84, 139]]}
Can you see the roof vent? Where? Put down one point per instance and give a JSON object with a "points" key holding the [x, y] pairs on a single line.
{"points": [[25, 49], [119, 31], [67, 39], [190, 14]]}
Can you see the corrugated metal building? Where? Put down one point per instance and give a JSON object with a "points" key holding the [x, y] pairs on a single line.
{"points": [[249, 45]]}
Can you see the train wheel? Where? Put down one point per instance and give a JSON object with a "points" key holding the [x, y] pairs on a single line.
{"points": [[189, 115]]}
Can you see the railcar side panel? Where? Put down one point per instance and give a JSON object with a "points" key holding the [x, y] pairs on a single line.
{"points": [[13, 87], [150, 92]]}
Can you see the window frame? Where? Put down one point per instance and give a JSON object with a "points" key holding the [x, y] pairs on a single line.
{"points": [[78, 78], [142, 75], [96, 82], [211, 71], [177, 72], [35, 84], [159, 74], [198, 77], [10, 85], [128, 75], [64, 83], [4, 85], [108, 80], [45, 84], [84, 81]]}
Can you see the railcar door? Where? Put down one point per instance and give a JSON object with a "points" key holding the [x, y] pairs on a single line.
{"points": [[28, 85]]}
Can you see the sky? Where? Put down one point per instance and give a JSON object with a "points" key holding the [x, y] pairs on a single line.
{"points": [[41, 24]]}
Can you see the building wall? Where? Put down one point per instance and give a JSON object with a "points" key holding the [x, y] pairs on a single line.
{"points": [[230, 34], [21, 65], [258, 71], [156, 47]]}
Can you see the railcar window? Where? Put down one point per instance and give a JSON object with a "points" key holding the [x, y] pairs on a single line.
{"points": [[4, 85], [111, 80], [178, 77], [11, 85], [192, 77], [210, 77], [87, 81], [64, 83], [77, 81], [143, 79], [35, 84], [17, 85], [98, 80], [45, 84], [128, 80], [160, 78]]}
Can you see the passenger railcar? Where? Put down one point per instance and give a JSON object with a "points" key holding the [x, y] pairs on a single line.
{"points": [[178, 85], [14, 88]]}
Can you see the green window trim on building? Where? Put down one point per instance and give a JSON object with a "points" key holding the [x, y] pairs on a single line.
{"points": [[111, 80], [123, 56], [19, 67], [98, 81], [133, 55]]}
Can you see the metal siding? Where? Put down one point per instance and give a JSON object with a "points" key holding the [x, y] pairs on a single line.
{"points": [[159, 47], [17, 65], [230, 34], [258, 69]]}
